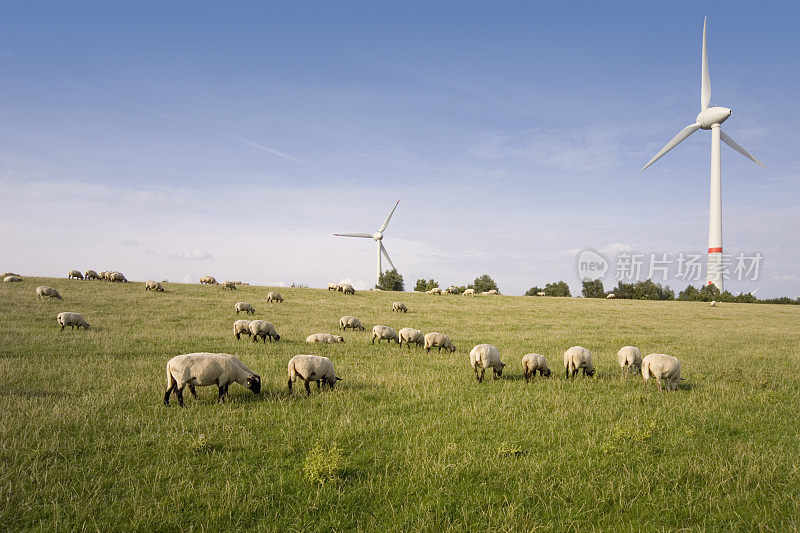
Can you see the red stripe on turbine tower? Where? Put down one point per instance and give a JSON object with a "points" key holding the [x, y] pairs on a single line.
{"points": [[715, 250]]}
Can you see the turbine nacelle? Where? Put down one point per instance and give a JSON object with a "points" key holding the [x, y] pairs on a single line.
{"points": [[713, 115], [378, 236]]}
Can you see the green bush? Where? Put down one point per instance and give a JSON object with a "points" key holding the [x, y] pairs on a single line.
{"points": [[424, 285], [593, 289], [390, 280], [484, 283]]}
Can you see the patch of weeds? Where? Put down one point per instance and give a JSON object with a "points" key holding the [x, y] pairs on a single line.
{"points": [[202, 444], [504, 449], [323, 465], [626, 438]]}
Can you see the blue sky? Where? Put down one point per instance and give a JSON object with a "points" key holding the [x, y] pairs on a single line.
{"points": [[171, 140]]}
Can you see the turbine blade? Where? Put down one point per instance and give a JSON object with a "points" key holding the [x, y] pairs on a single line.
{"points": [[386, 222], [685, 132], [386, 255], [705, 87], [362, 235], [733, 144]]}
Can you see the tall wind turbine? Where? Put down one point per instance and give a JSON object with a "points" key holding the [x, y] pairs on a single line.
{"points": [[710, 118], [378, 237]]}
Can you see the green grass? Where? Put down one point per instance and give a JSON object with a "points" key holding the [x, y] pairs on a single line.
{"points": [[415, 443]]}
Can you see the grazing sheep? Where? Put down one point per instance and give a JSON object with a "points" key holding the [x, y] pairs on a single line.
{"points": [[6, 274], [469, 292], [410, 335], [229, 285], [244, 306], [312, 368], [263, 329], [90, 274], [333, 286], [629, 357], [118, 277], [400, 307], [658, 366], [435, 290], [541, 293], [350, 322], [437, 340], [74, 320], [43, 291], [153, 286], [324, 338], [208, 280], [610, 296], [241, 327], [713, 303], [492, 291], [103, 275], [485, 356], [203, 369], [578, 357], [533, 362], [384, 332], [274, 297], [12, 279], [347, 288], [74, 274]]}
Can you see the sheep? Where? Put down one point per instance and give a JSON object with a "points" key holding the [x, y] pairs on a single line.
{"points": [[311, 368], [6, 274], [324, 338], [208, 280], [469, 292], [449, 290], [400, 307], [273, 296], [339, 287], [713, 303], [241, 327], [103, 275], [658, 366], [347, 288], [492, 291], [437, 340], [43, 291], [12, 279], [629, 356], [244, 306], [350, 322], [435, 290], [485, 356], [90, 274], [384, 332], [578, 357], [153, 286], [229, 285], [74, 320], [333, 286], [74, 274], [610, 296], [533, 362], [541, 293], [263, 329], [203, 369], [118, 277], [410, 335]]}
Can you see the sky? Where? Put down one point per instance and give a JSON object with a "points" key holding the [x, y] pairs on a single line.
{"points": [[170, 140]]}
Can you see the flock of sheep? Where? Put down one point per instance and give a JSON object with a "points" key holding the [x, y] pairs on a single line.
{"points": [[203, 369]]}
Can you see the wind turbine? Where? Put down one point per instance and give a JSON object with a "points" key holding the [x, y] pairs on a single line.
{"points": [[710, 118], [378, 237]]}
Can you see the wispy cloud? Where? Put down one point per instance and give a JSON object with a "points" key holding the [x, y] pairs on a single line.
{"points": [[130, 243], [198, 254]]}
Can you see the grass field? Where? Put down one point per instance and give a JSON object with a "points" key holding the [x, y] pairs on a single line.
{"points": [[408, 441]]}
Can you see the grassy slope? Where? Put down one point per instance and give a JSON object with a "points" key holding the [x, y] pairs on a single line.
{"points": [[86, 442]]}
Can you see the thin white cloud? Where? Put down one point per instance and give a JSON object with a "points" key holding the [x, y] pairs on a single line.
{"points": [[130, 243], [198, 254]]}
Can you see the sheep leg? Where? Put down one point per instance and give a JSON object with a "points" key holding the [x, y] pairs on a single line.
{"points": [[179, 394], [168, 392], [255, 338], [308, 387], [193, 391], [574, 372], [289, 384], [62, 327], [659, 385], [483, 371], [319, 384], [528, 376], [494, 375]]}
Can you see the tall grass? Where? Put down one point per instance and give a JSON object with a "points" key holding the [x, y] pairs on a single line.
{"points": [[415, 442]]}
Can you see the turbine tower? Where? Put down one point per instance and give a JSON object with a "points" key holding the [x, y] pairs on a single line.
{"points": [[710, 118], [378, 237]]}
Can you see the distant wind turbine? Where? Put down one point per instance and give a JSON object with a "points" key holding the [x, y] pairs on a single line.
{"points": [[378, 237], [710, 118]]}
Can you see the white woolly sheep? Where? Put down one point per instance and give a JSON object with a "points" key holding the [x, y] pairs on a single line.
{"points": [[12, 279], [74, 320], [435, 290], [713, 303], [541, 293], [209, 280], [400, 307], [90, 274], [43, 291], [384, 332], [661, 366], [263, 329], [333, 286], [578, 357], [273, 296], [350, 322], [244, 306], [118, 277], [629, 357], [485, 356], [241, 327], [492, 291], [409, 335], [153, 286], [469, 292], [347, 288], [203, 369], [5, 274], [74, 274], [610, 296], [229, 285], [533, 362], [311, 368], [438, 340], [324, 338]]}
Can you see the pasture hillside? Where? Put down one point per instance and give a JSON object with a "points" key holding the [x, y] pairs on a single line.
{"points": [[408, 440]]}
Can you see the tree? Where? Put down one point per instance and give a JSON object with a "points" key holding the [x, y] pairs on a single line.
{"points": [[425, 285], [559, 288], [593, 289], [484, 283], [534, 291], [390, 280]]}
